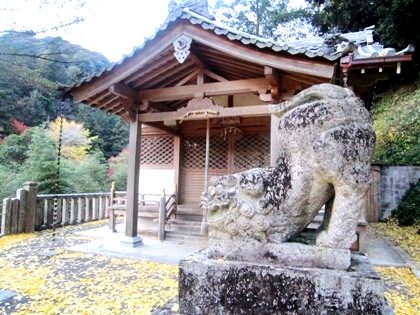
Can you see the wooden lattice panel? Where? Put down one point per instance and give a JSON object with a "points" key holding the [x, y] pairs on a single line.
{"points": [[251, 150], [157, 150], [194, 152]]}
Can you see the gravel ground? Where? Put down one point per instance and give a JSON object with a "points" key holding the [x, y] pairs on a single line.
{"points": [[48, 279]]}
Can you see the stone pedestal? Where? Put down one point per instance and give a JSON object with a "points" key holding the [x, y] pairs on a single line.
{"points": [[209, 286]]}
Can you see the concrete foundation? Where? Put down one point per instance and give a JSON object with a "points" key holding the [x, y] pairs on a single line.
{"points": [[208, 286]]}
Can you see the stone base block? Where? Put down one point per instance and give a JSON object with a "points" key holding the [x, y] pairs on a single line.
{"points": [[131, 241], [209, 286], [284, 254]]}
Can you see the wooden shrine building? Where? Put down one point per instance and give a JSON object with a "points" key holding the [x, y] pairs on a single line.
{"points": [[195, 73]]}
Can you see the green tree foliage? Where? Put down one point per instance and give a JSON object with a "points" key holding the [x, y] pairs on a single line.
{"points": [[33, 156], [41, 165], [408, 211], [110, 131], [397, 125], [15, 148], [118, 167], [87, 175], [262, 17]]}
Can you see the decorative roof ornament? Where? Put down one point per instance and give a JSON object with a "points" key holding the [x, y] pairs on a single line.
{"points": [[361, 44], [182, 47], [200, 7], [377, 50]]}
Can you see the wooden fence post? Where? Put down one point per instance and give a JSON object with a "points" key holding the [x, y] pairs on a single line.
{"points": [[5, 217], [162, 216], [45, 221], [94, 208], [30, 212], [72, 211], [79, 210], [14, 209], [101, 208], [64, 209], [22, 196], [87, 209]]}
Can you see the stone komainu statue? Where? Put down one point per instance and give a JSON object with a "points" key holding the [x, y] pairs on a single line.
{"points": [[325, 139]]}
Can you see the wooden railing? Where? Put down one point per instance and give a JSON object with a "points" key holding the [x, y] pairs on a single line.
{"points": [[71, 209], [171, 207], [149, 205], [28, 211]]}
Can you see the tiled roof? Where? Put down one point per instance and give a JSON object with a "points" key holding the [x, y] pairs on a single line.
{"points": [[317, 47]]}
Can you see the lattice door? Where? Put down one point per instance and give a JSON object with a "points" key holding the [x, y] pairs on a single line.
{"points": [[193, 163], [194, 150], [227, 155], [250, 151], [157, 151]]}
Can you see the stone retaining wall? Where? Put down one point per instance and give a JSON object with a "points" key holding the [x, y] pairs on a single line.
{"points": [[394, 182]]}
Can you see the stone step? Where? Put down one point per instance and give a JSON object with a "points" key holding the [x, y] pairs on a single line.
{"points": [[184, 231], [186, 238], [184, 222], [182, 225], [186, 213]]}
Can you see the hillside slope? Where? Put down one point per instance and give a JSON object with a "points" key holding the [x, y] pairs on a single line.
{"points": [[396, 115]]}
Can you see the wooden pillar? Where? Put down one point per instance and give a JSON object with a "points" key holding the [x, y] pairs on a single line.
{"points": [[274, 142], [162, 216], [177, 161], [134, 148]]}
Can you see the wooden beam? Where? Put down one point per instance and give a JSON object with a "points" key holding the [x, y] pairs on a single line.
{"points": [[161, 126], [108, 102], [196, 60], [130, 96], [303, 78], [214, 76], [188, 77], [124, 91], [262, 57], [207, 89], [243, 111], [273, 78], [137, 78], [165, 75], [271, 75], [97, 98], [200, 76]]}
